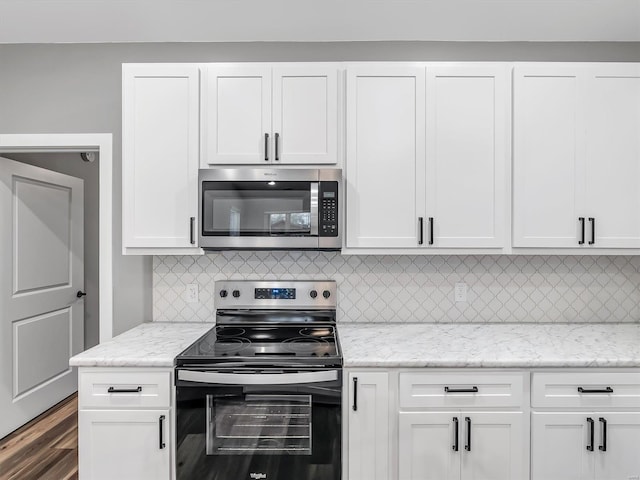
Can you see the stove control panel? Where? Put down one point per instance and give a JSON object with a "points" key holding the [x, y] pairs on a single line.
{"points": [[236, 294], [275, 293]]}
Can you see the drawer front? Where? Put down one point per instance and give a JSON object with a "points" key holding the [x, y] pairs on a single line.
{"points": [[124, 389], [588, 390], [452, 390]]}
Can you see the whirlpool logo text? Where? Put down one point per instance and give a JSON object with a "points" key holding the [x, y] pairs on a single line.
{"points": [[258, 476]]}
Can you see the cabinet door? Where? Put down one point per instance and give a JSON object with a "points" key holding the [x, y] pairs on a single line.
{"points": [[236, 112], [385, 156], [548, 135], [305, 114], [467, 154], [124, 444], [613, 155], [620, 460], [559, 444], [496, 447], [160, 155], [427, 446], [368, 428]]}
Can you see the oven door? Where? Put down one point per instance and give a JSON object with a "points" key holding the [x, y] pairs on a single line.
{"points": [[271, 425], [261, 208]]}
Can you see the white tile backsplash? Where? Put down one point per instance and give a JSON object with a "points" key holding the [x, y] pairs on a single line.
{"points": [[398, 288]]}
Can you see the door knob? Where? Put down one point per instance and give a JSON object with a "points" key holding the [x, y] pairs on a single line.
{"points": [[80, 294]]}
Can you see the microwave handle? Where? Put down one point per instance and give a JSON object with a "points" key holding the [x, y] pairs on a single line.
{"points": [[257, 378], [315, 187]]}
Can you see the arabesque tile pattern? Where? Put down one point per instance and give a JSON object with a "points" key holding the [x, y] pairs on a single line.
{"points": [[405, 288]]}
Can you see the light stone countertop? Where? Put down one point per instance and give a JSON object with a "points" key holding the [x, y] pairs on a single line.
{"points": [[152, 344], [496, 345]]}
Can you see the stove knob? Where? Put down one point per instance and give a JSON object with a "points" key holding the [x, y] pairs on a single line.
{"points": [[236, 293], [313, 293], [223, 293], [326, 294]]}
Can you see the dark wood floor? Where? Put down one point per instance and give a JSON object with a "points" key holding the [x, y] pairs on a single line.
{"points": [[45, 448]]}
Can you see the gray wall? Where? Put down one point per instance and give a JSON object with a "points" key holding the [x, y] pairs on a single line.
{"points": [[76, 88], [72, 164]]}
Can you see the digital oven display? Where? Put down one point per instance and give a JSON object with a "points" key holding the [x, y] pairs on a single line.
{"points": [[275, 293]]}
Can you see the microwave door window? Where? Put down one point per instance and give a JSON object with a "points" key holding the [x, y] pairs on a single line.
{"points": [[231, 209]]}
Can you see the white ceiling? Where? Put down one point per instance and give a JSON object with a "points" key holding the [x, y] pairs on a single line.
{"points": [[80, 21]]}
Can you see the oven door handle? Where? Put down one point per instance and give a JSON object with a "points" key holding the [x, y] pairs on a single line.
{"points": [[313, 208], [257, 378]]}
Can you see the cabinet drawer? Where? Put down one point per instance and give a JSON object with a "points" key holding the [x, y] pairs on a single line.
{"points": [[461, 390], [124, 389], [589, 390]]}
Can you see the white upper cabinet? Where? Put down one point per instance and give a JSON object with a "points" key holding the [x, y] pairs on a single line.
{"points": [[385, 155], [467, 155], [612, 155], [237, 114], [548, 125], [576, 156], [259, 114], [160, 147], [427, 156], [305, 114]]}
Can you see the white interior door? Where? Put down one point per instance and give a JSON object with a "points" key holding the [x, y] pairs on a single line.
{"points": [[41, 270]]}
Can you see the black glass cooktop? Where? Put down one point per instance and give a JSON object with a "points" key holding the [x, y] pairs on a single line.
{"points": [[266, 342]]}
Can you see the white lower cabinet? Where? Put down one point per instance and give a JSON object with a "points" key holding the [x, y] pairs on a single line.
{"points": [[368, 425], [461, 445], [125, 423], [125, 444], [477, 431], [585, 425], [426, 446], [585, 445]]}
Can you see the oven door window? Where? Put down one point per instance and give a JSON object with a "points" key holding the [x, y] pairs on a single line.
{"points": [[256, 209], [259, 425]]}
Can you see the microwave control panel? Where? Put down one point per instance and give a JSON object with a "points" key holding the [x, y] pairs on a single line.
{"points": [[328, 221]]}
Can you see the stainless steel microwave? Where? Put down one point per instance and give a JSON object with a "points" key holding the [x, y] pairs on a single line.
{"points": [[270, 209]]}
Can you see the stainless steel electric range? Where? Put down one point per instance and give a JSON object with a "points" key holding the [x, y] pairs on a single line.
{"points": [[259, 395]]}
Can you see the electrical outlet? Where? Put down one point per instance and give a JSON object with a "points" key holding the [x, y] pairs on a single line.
{"points": [[192, 293], [461, 292]]}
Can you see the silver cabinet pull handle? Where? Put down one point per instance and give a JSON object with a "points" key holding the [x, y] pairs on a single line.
{"points": [[266, 147]]}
